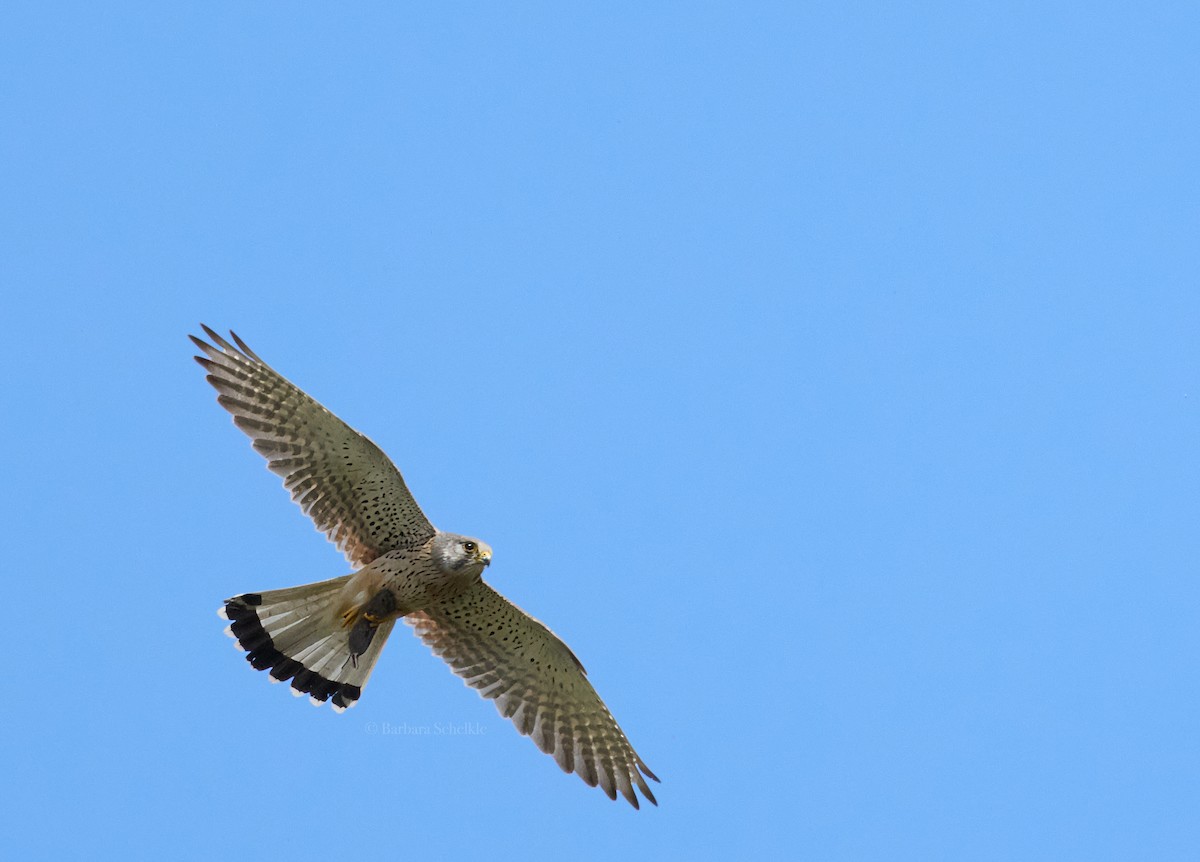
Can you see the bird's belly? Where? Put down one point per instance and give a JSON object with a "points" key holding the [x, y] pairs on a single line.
{"points": [[416, 591]]}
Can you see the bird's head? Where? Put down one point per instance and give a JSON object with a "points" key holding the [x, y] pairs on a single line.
{"points": [[460, 555]]}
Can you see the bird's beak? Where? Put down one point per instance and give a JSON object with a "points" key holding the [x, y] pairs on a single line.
{"points": [[486, 557]]}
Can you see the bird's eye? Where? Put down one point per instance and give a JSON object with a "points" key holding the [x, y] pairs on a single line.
{"points": [[469, 547]]}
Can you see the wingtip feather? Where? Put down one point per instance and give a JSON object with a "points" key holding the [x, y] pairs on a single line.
{"points": [[214, 335], [244, 347], [646, 770]]}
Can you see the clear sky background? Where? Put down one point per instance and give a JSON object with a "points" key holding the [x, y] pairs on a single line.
{"points": [[826, 375]]}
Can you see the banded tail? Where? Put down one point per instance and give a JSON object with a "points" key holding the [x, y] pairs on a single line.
{"points": [[300, 634]]}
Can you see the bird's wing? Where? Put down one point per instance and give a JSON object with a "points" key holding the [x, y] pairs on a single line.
{"points": [[537, 682], [341, 480]]}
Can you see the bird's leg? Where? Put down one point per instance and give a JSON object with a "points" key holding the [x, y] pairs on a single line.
{"points": [[380, 609], [353, 598]]}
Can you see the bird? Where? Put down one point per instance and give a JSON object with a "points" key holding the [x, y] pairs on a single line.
{"points": [[326, 637]]}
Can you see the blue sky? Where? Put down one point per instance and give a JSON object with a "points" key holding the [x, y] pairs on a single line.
{"points": [[826, 375]]}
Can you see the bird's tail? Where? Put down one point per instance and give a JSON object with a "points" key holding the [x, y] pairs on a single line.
{"points": [[301, 634]]}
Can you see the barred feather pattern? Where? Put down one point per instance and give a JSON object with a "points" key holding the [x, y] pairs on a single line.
{"points": [[295, 634], [343, 481], [536, 682]]}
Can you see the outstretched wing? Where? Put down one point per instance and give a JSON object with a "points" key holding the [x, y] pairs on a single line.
{"points": [[341, 480], [536, 682]]}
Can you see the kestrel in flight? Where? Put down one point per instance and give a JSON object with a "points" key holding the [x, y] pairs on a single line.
{"points": [[326, 637]]}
